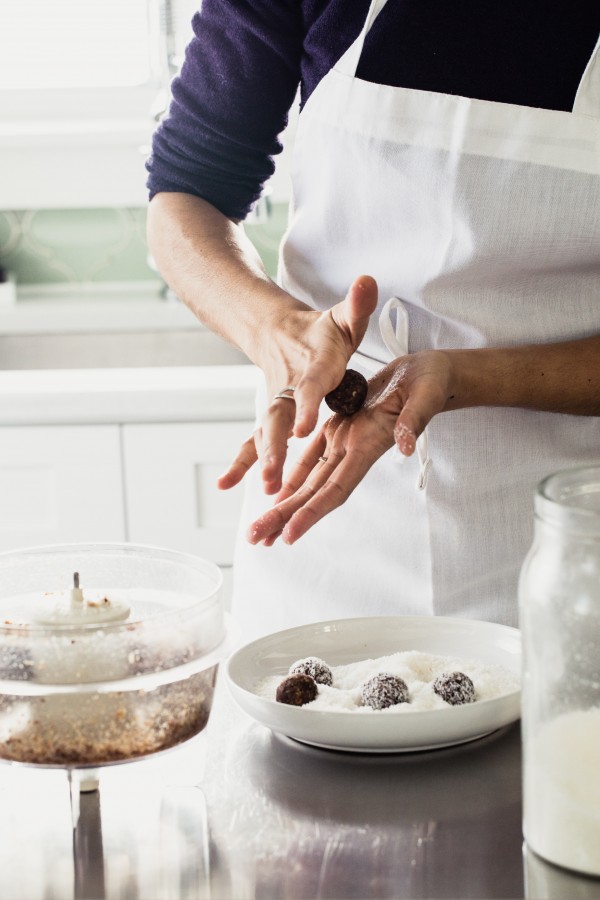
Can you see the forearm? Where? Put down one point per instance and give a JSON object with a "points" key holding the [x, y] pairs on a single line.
{"points": [[560, 377], [212, 266]]}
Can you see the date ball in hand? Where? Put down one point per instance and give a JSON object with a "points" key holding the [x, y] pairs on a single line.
{"points": [[350, 394]]}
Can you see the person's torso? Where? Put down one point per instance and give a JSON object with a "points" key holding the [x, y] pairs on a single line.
{"points": [[524, 52], [481, 223]]}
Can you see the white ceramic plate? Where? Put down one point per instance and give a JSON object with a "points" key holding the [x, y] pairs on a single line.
{"points": [[344, 641]]}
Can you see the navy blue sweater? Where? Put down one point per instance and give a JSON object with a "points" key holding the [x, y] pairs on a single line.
{"points": [[247, 57]]}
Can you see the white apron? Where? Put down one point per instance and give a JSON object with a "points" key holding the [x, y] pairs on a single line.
{"points": [[483, 219]]}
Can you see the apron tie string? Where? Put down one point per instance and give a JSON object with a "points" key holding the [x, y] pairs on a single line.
{"points": [[396, 341]]}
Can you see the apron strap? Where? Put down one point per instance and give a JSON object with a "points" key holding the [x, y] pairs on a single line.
{"points": [[587, 98], [348, 64], [396, 341]]}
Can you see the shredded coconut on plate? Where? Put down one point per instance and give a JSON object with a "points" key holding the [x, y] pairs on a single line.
{"points": [[418, 670]]}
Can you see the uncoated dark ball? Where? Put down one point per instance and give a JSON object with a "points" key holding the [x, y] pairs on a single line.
{"points": [[455, 688], [314, 667], [296, 690], [384, 690], [350, 394]]}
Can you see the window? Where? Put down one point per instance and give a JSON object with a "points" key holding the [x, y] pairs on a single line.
{"points": [[81, 85], [75, 44]]}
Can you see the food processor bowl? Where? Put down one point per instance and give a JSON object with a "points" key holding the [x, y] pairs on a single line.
{"points": [[77, 694]]}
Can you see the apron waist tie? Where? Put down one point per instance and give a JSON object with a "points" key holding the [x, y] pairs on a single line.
{"points": [[396, 341]]}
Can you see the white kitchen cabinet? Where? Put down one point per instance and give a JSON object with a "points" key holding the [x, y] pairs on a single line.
{"points": [[124, 455], [171, 497], [60, 484]]}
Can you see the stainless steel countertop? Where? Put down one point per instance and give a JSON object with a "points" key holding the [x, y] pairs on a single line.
{"points": [[292, 821], [242, 814]]}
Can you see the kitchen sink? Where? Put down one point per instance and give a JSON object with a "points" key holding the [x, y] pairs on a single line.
{"points": [[186, 347]]}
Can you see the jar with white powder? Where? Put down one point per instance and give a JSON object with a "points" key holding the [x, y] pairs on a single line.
{"points": [[559, 595]]}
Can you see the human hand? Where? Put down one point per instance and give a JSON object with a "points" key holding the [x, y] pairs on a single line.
{"points": [[403, 397], [309, 351]]}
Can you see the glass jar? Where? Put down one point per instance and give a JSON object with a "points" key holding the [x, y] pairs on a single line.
{"points": [[559, 596]]}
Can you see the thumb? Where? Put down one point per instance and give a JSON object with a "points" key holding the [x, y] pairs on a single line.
{"points": [[353, 313]]}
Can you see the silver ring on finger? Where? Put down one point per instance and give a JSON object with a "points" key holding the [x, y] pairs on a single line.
{"points": [[323, 458], [284, 394]]}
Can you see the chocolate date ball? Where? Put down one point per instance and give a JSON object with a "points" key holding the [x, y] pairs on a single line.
{"points": [[350, 394], [296, 690], [314, 667], [384, 690], [455, 688]]}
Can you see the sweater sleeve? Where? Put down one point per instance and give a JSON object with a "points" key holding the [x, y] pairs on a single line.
{"points": [[229, 103]]}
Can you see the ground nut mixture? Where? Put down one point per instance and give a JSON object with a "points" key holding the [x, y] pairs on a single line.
{"points": [[98, 728]]}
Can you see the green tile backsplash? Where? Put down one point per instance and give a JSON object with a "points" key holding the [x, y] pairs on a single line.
{"points": [[96, 246]]}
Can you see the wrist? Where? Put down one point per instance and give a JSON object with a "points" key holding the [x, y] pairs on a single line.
{"points": [[557, 377], [486, 377], [271, 321]]}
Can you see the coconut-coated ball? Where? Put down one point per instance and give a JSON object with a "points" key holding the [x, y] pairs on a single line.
{"points": [[455, 688], [314, 667], [384, 690]]}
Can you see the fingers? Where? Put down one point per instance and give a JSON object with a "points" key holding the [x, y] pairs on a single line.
{"points": [[309, 394], [303, 468], [409, 393], [238, 468], [329, 485], [274, 521], [351, 318], [333, 493], [268, 444], [353, 313], [271, 524], [276, 429], [421, 406], [404, 437], [269, 541], [330, 338]]}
